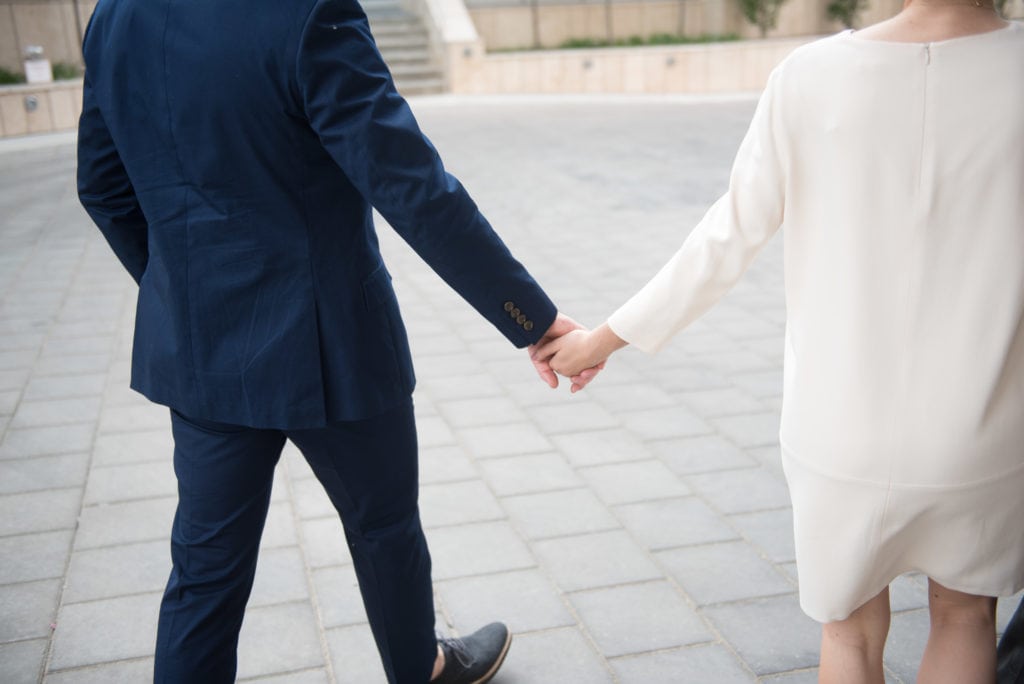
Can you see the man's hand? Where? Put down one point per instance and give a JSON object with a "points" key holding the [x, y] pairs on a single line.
{"points": [[562, 325]]}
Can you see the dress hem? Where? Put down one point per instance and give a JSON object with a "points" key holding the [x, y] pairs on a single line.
{"points": [[789, 453], [955, 586]]}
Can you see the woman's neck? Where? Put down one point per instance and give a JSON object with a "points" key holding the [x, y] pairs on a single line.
{"points": [[923, 21]]}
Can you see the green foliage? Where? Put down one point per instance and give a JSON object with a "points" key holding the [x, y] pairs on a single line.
{"points": [[845, 11], [10, 77], [656, 39], [763, 14], [62, 71], [672, 39]]}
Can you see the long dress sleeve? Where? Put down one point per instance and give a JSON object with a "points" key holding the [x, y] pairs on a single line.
{"points": [[718, 251]]}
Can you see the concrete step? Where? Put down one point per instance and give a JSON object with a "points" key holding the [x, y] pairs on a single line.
{"points": [[420, 86], [398, 26], [372, 7], [402, 42], [417, 56], [405, 44], [396, 16], [409, 70]]}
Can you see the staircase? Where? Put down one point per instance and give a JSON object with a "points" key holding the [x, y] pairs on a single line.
{"points": [[405, 44]]}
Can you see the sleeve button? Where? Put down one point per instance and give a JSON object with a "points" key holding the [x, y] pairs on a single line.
{"points": [[509, 306], [520, 319], [528, 326]]}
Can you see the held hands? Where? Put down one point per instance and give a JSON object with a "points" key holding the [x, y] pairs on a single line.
{"points": [[574, 352], [562, 325]]}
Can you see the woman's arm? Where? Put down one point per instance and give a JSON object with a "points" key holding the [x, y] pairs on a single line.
{"points": [[718, 251], [711, 260]]}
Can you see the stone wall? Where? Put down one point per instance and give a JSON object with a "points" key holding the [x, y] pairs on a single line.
{"points": [[509, 25], [710, 68], [40, 108]]}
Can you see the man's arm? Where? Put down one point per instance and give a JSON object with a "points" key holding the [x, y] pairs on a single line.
{"points": [[105, 191], [365, 125]]}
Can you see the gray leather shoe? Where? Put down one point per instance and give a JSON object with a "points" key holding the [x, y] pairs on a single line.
{"points": [[474, 659]]}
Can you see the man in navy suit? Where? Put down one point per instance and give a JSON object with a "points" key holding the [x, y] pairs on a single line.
{"points": [[230, 152]]}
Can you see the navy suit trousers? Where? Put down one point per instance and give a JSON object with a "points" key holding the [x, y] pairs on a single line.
{"points": [[225, 472]]}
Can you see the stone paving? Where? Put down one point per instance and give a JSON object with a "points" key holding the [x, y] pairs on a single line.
{"points": [[636, 532]]}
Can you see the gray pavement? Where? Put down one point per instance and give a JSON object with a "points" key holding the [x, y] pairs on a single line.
{"points": [[636, 532]]}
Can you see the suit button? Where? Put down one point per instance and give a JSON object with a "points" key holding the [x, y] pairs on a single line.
{"points": [[514, 313], [520, 319], [528, 326], [509, 306]]}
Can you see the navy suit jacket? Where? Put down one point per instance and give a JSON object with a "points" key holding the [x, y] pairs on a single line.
{"points": [[230, 152]]}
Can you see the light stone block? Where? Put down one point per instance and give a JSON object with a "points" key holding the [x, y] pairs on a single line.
{"points": [[595, 560], [42, 511], [456, 503], [603, 446], [750, 430], [28, 609], [669, 523], [123, 672], [445, 464], [701, 454], [504, 440], [280, 577], [723, 572], [278, 639], [524, 599], [477, 549], [530, 659], [702, 663], [560, 513], [125, 523], [105, 631], [323, 542], [131, 481], [770, 635], [664, 423], [22, 662], [119, 570], [529, 474], [337, 592], [634, 481], [43, 472], [741, 491], [639, 618], [34, 556]]}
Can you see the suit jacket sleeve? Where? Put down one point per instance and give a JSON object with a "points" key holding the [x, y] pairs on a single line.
{"points": [[105, 191], [719, 250], [350, 100]]}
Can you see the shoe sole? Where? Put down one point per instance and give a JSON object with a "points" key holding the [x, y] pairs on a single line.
{"points": [[497, 663]]}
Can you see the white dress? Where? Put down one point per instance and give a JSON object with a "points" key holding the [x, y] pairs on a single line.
{"points": [[897, 172]]}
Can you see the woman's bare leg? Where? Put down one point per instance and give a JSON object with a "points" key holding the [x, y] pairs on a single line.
{"points": [[851, 649], [962, 643]]}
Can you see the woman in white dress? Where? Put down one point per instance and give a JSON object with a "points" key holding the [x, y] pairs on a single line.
{"points": [[894, 158]]}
